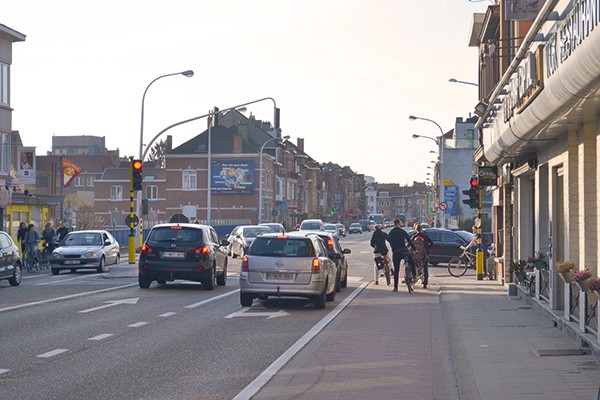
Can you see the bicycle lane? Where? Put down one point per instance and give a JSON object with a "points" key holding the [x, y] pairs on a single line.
{"points": [[384, 345]]}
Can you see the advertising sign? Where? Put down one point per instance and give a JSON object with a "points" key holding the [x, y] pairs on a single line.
{"points": [[450, 198], [488, 176], [232, 177], [26, 171]]}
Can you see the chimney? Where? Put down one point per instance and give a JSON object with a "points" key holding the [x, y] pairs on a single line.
{"points": [[237, 144], [169, 144], [300, 144]]}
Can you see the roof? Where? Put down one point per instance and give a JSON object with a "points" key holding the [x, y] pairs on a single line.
{"points": [[10, 34], [221, 143]]}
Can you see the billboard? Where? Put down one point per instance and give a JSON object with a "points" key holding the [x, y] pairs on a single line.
{"points": [[232, 177], [26, 171]]}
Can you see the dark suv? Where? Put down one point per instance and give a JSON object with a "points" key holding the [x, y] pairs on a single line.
{"points": [[183, 251]]}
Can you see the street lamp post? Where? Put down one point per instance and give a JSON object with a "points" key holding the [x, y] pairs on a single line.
{"points": [[260, 185], [453, 80]]}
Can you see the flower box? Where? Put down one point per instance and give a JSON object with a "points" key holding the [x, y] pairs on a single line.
{"points": [[584, 284], [567, 276]]}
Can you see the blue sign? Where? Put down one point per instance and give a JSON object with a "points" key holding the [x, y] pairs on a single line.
{"points": [[451, 198], [232, 177]]}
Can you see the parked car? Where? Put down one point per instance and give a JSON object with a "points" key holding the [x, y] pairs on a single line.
{"points": [[338, 255], [183, 251], [295, 264], [446, 244], [341, 229], [331, 228], [312, 225], [241, 238], [275, 226], [355, 227], [10, 262], [90, 249]]}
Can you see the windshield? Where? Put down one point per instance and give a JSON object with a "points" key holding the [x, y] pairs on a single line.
{"points": [[83, 239], [255, 231], [468, 236], [175, 234], [281, 247]]}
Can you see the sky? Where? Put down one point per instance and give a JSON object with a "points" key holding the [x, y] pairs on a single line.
{"points": [[346, 74]]}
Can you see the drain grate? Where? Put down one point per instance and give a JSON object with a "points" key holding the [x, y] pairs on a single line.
{"points": [[558, 352]]}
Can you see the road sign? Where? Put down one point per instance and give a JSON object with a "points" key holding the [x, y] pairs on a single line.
{"points": [[443, 206], [136, 220]]}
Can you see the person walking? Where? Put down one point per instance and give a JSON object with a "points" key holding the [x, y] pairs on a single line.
{"points": [[399, 240], [62, 231], [422, 237]]}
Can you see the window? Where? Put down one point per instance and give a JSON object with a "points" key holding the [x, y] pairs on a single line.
{"points": [[189, 179], [116, 193], [79, 181], [4, 93], [4, 153], [151, 192], [420, 202], [89, 181]]}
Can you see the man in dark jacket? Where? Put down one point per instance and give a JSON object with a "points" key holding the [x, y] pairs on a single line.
{"points": [[399, 239], [378, 241]]}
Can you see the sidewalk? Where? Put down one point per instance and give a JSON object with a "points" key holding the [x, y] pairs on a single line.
{"points": [[459, 339]]}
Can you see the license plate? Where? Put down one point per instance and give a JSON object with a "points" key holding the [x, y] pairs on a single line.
{"points": [[278, 276], [72, 262], [173, 254]]}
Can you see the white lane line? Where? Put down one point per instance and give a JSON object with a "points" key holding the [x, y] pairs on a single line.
{"points": [[211, 299], [101, 337], [3, 371], [59, 280], [137, 324], [167, 314], [53, 353], [249, 391], [72, 296]]}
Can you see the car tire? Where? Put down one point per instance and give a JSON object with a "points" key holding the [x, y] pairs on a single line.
{"points": [[330, 296], [117, 259], [319, 300], [144, 281], [222, 279], [246, 299], [344, 282], [338, 282], [16, 279], [55, 271], [209, 283], [102, 267]]}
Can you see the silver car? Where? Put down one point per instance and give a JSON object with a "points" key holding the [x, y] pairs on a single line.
{"points": [[85, 249], [295, 264]]}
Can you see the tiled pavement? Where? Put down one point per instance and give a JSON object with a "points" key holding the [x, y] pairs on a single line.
{"points": [[459, 339]]}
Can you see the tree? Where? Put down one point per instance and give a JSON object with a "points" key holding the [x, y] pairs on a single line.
{"points": [[157, 153]]}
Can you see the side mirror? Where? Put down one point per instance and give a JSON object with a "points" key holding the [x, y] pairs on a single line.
{"points": [[335, 256], [224, 242], [346, 251]]}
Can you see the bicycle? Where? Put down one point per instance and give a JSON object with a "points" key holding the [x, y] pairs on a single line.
{"points": [[458, 266], [382, 263], [45, 255], [408, 275], [31, 258]]}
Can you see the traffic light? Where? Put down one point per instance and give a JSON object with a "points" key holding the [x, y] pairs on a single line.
{"points": [[136, 174], [473, 193]]}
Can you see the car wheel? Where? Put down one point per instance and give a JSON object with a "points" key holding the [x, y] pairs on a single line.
{"points": [[344, 282], [55, 271], [246, 299], [319, 300], [209, 283], [118, 259], [102, 266], [144, 282], [330, 296], [338, 281], [16, 279], [222, 279]]}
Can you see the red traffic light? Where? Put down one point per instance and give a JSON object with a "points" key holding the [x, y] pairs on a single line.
{"points": [[474, 182], [137, 165]]}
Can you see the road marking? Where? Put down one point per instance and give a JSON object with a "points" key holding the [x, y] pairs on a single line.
{"points": [[249, 391], [101, 337], [269, 315], [72, 296], [201, 303], [137, 324], [111, 303], [53, 353], [59, 280], [167, 314], [3, 371]]}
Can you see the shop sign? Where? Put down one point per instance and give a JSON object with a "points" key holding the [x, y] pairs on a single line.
{"points": [[525, 84], [488, 176]]}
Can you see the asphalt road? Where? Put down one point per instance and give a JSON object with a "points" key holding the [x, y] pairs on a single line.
{"points": [[83, 336]]}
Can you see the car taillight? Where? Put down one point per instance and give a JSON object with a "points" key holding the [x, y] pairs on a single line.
{"points": [[330, 243], [202, 250], [146, 249], [316, 265], [245, 263]]}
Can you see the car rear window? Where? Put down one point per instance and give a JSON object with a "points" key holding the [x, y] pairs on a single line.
{"points": [[311, 226], [281, 247], [175, 234]]}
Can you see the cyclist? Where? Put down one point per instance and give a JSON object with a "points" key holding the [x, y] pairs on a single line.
{"points": [[21, 236], [425, 242], [49, 238], [31, 239], [378, 243], [399, 239]]}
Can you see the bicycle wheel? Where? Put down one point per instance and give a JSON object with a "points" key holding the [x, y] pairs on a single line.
{"points": [[386, 272], [457, 267], [26, 262], [408, 278]]}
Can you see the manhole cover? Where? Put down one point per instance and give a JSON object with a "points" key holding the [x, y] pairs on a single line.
{"points": [[558, 352]]}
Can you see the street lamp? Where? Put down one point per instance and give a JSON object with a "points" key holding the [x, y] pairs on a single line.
{"points": [[260, 186], [463, 82]]}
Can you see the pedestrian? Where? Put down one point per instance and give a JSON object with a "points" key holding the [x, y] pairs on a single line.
{"points": [[399, 240], [21, 236], [62, 231], [422, 237]]}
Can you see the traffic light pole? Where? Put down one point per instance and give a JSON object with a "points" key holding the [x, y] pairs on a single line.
{"points": [[479, 255], [131, 238]]}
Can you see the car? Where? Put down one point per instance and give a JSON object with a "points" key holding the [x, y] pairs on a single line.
{"points": [[446, 244], [388, 223], [88, 249], [365, 224], [183, 251], [341, 229], [241, 238], [312, 225], [275, 226], [10, 262], [355, 227], [294, 264], [331, 228], [338, 255]]}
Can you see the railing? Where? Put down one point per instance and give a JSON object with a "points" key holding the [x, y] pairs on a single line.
{"points": [[591, 313]]}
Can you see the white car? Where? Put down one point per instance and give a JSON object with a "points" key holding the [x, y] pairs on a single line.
{"points": [[331, 228], [85, 249]]}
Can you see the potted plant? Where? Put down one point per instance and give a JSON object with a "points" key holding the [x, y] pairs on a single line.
{"points": [[565, 270], [595, 286], [582, 279], [539, 261], [517, 268]]}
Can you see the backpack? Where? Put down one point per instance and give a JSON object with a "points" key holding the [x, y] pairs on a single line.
{"points": [[420, 251]]}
